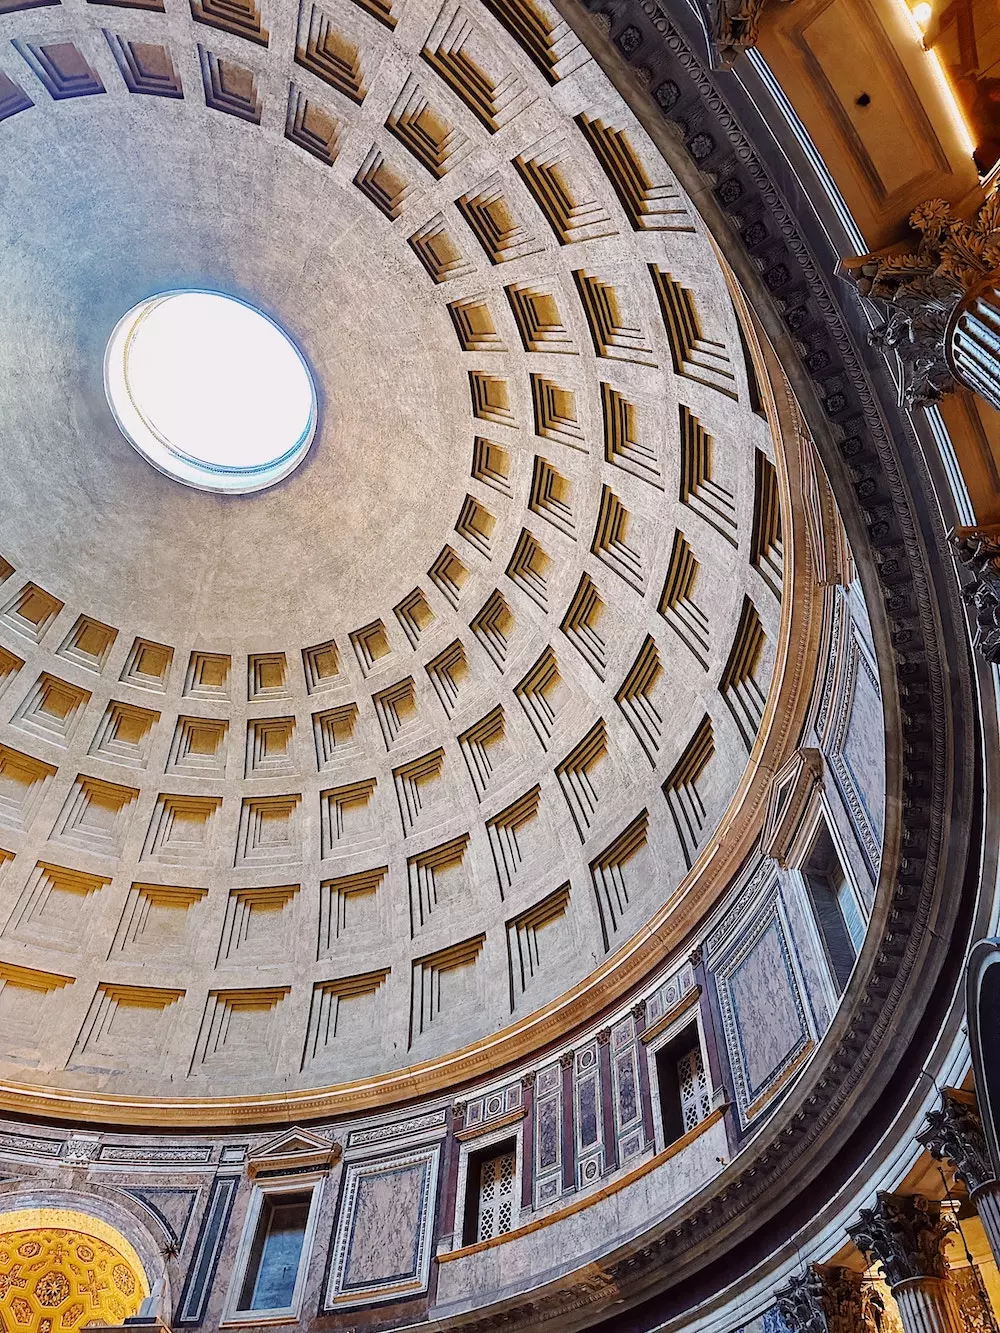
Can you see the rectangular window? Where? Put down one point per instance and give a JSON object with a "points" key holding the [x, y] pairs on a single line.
{"points": [[275, 1260], [685, 1095], [850, 910], [490, 1192], [837, 908]]}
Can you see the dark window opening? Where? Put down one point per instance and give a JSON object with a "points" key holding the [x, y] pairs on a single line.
{"points": [[489, 1192], [685, 1097], [835, 904], [273, 1267]]}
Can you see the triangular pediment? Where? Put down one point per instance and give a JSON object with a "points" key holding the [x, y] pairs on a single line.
{"points": [[294, 1147], [788, 800]]}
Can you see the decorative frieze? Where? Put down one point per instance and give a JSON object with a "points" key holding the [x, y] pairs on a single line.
{"points": [[396, 1129]]}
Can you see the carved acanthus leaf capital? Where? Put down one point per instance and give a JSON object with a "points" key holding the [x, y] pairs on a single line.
{"points": [[842, 1299], [979, 551], [800, 1303], [824, 1298], [905, 1234], [918, 289], [955, 1132], [735, 28]]}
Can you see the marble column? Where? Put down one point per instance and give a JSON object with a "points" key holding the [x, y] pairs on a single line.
{"points": [[955, 1134], [823, 1298], [906, 1235], [939, 302], [973, 342]]}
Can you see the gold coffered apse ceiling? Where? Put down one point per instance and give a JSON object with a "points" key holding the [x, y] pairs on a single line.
{"points": [[318, 784], [62, 1270]]}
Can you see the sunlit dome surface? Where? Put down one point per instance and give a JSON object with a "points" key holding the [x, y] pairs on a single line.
{"points": [[210, 391]]}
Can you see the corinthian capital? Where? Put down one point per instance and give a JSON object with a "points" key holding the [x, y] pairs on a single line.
{"points": [[735, 26], [842, 1299], [823, 1298], [919, 289], [905, 1234], [955, 1132], [800, 1303], [978, 551]]}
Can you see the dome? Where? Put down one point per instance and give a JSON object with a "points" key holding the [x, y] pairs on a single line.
{"points": [[389, 758]]}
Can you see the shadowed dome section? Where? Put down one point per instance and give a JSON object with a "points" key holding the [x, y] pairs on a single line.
{"points": [[210, 391], [67, 1271]]}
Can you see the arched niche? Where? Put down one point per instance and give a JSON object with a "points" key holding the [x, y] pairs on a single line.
{"points": [[64, 1269]]}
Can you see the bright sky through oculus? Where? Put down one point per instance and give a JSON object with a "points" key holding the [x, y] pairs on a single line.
{"points": [[210, 391]]}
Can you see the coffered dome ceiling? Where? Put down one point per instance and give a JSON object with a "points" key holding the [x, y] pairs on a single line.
{"points": [[321, 783]]}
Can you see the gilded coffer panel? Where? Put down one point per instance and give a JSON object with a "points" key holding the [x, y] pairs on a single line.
{"points": [[865, 91]]}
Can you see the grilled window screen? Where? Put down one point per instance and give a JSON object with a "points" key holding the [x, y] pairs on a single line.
{"points": [[683, 1084], [496, 1196], [693, 1085]]}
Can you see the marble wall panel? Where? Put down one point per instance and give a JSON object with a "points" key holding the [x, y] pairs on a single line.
{"points": [[382, 1248], [765, 1021], [852, 725]]}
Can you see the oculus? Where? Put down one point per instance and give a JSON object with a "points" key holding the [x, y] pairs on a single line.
{"points": [[210, 391]]}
